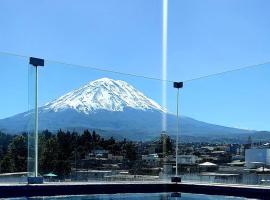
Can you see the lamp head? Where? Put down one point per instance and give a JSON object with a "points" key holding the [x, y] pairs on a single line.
{"points": [[177, 85], [36, 61]]}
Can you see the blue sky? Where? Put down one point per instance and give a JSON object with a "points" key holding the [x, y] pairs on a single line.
{"points": [[204, 37]]}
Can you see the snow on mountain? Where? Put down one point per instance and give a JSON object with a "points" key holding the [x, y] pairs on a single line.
{"points": [[103, 94]]}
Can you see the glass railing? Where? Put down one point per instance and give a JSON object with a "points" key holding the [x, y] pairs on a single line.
{"points": [[225, 129], [15, 124], [98, 125]]}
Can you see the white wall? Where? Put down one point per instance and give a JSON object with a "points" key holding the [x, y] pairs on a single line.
{"points": [[257, 155]]}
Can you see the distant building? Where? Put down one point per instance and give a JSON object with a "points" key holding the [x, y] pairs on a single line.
{"points": [[115, 157], [151, 159], [100, 152], [187, 159], [154, 148], [238, 157], [257, 157], [233, 149], [87, 175]]}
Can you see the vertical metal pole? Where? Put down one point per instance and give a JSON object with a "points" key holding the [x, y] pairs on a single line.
{"points": [[36, 62], [177, 85], [36, 122], [177, 134]]}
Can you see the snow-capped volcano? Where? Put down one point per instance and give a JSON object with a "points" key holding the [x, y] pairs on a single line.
{"points": [[103, 94], [114, 108]]}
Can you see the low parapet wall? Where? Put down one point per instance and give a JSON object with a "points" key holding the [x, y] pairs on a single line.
{"points": [[112, 188]]}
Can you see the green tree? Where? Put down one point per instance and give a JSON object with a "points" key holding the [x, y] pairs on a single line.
{"points": [[17, 151], [131, 151], [7, 164], [48, 154]]}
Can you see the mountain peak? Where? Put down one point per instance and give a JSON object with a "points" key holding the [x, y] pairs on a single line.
{"points": [[103, 94], [103, 81]]}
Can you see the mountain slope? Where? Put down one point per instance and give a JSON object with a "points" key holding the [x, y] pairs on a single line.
{"points": [[114, 107]]}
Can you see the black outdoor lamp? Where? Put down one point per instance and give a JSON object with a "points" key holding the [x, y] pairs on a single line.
{"points": [[36, 62], [177, 178]]}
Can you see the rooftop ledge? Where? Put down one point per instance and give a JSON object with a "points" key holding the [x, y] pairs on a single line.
{"points": [[80, 188]]}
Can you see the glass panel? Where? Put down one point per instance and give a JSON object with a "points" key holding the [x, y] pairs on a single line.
{"points": [[14, 122], [31, 166], [225, 125], [98, 125]]}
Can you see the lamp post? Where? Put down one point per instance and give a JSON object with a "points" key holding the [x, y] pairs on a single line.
{"points": [[177, 85], [36, 62]]}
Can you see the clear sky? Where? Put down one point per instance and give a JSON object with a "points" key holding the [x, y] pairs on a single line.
{"points": [[204, 37]]}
